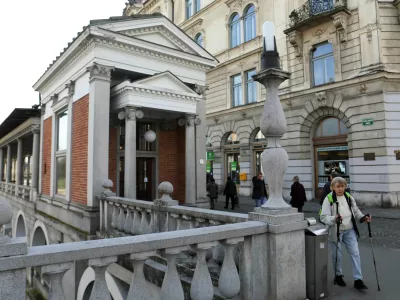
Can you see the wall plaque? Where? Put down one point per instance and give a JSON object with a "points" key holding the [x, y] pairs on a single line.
{"points": [[369, 156]]}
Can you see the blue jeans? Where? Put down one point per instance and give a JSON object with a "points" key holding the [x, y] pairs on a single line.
{"points": [[349, 238], [260, 201]]}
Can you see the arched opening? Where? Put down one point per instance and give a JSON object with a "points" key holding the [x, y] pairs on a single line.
{"points": [[259, 143], [232, 158], [20, 228], [199, 39], [331, 152], [234, 25], [39, 238], [249, 23]]}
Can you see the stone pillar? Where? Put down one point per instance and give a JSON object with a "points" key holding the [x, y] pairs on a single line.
{"points": [[35, 157], [1, 163], [245, 167], [190, 162], [98, 141], [19, 162], [8, 175], [219, 167], [130, 153]]}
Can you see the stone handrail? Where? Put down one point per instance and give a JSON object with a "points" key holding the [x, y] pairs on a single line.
{"points": [[56, 260], [20, 191], [141, 217]]}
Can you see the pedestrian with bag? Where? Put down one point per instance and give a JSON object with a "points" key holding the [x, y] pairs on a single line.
{"points": [[341, 214], [230, 192], [259, 190], [212, 192], [298, 194]]}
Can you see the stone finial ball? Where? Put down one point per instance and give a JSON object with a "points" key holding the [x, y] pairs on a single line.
{"points": [[165, 188], [6, 213], [108, 184]]}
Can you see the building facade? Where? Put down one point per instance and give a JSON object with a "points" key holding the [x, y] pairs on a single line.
{"points": [[342, 102]]}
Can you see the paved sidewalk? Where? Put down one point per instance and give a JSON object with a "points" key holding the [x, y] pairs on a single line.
{"points": [[247, 204]]}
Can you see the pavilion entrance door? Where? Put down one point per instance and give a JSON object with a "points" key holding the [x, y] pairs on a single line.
{"points": [[144, 178]]}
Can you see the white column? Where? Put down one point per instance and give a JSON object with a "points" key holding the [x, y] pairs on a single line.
{"points": [[19, 162], [130, 153], [35, 157], [190, 162], [8, 176], [1, 163], [99, 115]]}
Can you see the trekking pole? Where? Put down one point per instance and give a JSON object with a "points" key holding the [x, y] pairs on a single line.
{"points": [[373, 255], [338, 222]]}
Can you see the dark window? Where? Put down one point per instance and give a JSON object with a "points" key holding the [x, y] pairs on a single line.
{"points": [[235, 30], [251, 87], [249, 23], [323, 64]]}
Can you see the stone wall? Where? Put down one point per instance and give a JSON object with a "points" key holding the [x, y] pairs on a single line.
{"points": [[80, 125], [46, 155], [390, 36]]}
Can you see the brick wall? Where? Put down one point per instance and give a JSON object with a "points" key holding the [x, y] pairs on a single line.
{"points": [[112, 158], [80, 122], [46, 155], [172, 160]]}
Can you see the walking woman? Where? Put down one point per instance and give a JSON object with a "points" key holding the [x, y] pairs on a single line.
{"points": [[298, 194], [230, 192]]}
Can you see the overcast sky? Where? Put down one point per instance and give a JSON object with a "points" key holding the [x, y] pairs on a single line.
{"points": [[33, 33]]}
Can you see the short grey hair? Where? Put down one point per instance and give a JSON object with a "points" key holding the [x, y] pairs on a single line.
{"points": [[296, 178], [338, 180]]}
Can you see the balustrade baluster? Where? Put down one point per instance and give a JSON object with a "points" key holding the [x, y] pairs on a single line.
{"points": [[144, 225], [202, 287], [229, 280], [55, 274], [128, 221], [171, 288], [121, 219], [114, 215], [178, 220], [136, 222], [100, 289], [151, 225], [139, 289], [191, 221]]}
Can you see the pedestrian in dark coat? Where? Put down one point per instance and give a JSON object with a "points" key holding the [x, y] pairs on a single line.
{"points": [[259, 190], [212, 190], [230, 192], [326, 190], [298, 194]]}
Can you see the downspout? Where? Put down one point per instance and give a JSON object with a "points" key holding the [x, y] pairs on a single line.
{"points": [[173, 11]]}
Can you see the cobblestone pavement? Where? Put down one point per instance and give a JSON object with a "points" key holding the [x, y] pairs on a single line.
{"points": [[385, 231]]}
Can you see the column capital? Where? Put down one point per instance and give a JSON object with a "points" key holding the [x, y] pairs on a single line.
{"points": [[131, 113], [71, 88], [36, 129], [191, 120], [201, 90], [43, 109], [98, 71]]}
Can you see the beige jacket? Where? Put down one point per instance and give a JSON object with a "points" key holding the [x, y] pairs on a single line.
{"points": [[328, 215]]}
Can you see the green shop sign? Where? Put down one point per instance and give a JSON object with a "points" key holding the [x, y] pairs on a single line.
{"points": [[334, 148], [210, 155], [233, 166], [368, 122], [208, 166]]}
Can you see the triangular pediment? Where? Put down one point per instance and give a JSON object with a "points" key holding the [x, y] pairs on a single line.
{"points": [[165, 81], [157, 30]]}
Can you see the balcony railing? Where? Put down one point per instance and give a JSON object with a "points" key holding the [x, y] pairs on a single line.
{"points": [[20, 191], [313, 8]]}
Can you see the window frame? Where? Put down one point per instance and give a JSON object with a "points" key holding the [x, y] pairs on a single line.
{"points": [[189, 9], [239, 33], [60, 153], [196, 39], [247, 82], [247, 16], [238, 85], [323, 58], [197, 6]]}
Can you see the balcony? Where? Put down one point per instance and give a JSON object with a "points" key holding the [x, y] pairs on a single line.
{"points": [[313, 12]]}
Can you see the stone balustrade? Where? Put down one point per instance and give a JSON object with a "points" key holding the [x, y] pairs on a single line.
{"points": [[20, 191], [122, 216], [55, 260]]}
